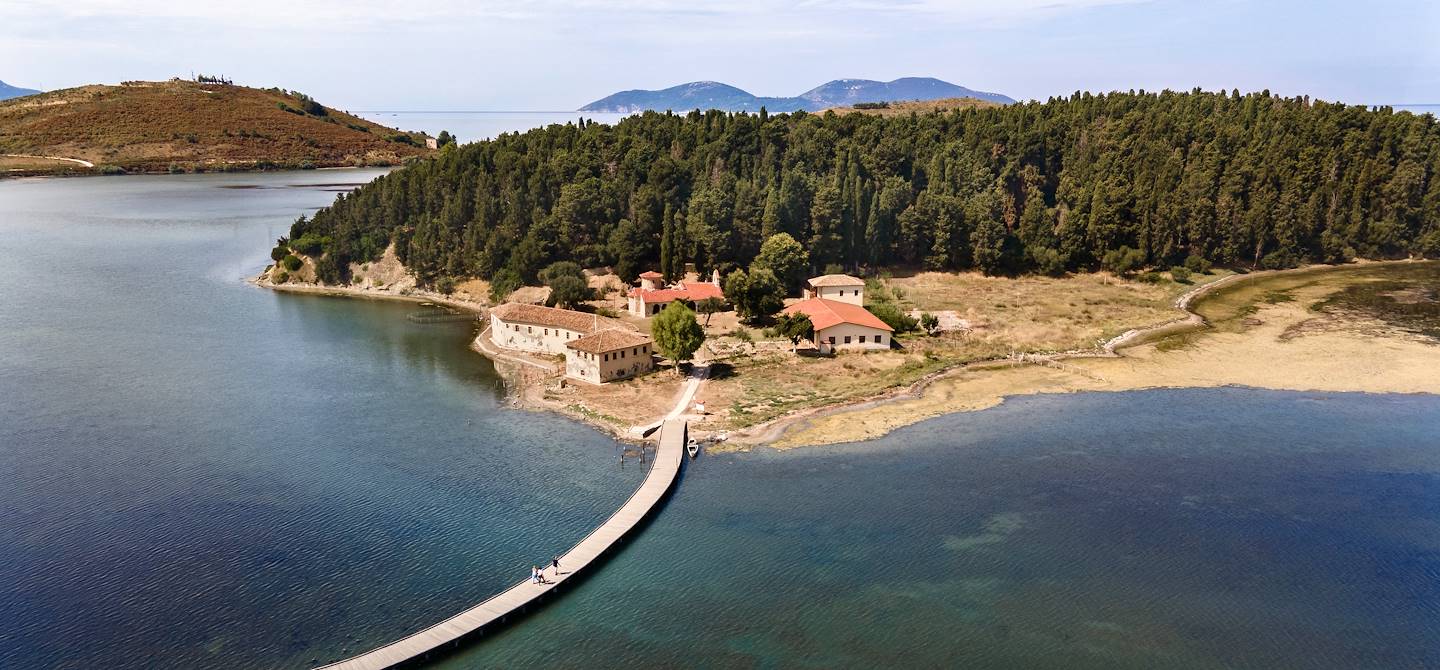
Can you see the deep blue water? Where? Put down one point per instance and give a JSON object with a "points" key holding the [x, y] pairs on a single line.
{"points": [[196, 473]]}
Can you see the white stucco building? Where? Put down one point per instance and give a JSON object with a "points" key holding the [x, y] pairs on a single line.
{"points": [[538, 329], [611, 354], [835, 305], [652, 296], [595, 351], [837, 287]]}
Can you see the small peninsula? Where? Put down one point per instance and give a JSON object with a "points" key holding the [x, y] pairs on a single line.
{"points": [[209, 125], [842, 274]]}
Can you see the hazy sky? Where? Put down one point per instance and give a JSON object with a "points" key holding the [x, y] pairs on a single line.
{"points": [[550, 55]]}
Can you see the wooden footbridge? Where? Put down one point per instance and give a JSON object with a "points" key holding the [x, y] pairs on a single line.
{"points": [[664, 469]]}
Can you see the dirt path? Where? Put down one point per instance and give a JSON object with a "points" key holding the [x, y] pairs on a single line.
{"points": [[1264, 356], [77, 161]]}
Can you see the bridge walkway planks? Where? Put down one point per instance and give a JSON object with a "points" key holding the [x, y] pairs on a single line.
{"points": [[664, 469]]}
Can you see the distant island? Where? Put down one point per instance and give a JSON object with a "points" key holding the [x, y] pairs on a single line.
{"points": [[188, 126], [7, 91], [708, 95]]}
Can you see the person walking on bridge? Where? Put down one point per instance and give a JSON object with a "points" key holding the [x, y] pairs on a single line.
{"points": [[555, 563]]}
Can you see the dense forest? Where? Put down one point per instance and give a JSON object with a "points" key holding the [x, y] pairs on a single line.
{"points": [[1249, 180]]}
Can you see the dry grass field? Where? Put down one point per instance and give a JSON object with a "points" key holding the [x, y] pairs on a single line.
{"points": [[1000, 317], [183, 125]]}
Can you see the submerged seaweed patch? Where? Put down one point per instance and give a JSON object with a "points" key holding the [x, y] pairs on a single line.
{"points": [[1410, 302]]}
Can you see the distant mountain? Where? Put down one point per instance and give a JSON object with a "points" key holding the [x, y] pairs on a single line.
{"points": [[838, 93], [7, 91]]}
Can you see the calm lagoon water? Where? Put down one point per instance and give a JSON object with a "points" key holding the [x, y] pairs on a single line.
{"points": [[476, 126], [199, 474]]}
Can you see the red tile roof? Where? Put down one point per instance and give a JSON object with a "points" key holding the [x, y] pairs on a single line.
{"points": [[651, 274], [612, 339], [837, 280], [537, 315], [692, 291], [826, 313]]}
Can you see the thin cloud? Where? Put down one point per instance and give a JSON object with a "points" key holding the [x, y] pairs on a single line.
{"points": [[361, 12]]}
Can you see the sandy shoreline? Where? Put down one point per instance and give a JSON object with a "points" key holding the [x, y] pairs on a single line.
{"points": [[1263, 355], [1327, 356]]}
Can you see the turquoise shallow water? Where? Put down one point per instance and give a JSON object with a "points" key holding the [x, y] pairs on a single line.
{"points": [[200, 474], [1218, 528]]}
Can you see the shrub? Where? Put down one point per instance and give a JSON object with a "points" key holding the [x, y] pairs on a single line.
{"points": [[310, 244], [1049, 261], [930, 323], [1197, 264], [569, 290], [445, 285], [560, 269], [893, 317], [1180, 273], [310, 106], [743, 335], [1278, 260], [291, 262], [503, 284], [1123, 261], [282, 277], [1150, 278], [280, 251], [332, 270]]}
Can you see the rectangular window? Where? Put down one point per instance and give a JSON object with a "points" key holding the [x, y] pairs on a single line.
{"points": [[847, 339], [529, 329], [547, 332], [862, 339], [607, 357], [832, 339]]}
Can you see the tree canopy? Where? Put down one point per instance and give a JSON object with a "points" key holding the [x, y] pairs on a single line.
{"points": [[755, 294], [1253, 180], [794, 327], [676, 332]]}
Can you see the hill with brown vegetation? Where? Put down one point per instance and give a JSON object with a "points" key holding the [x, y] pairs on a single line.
{"points": [[915, 106], [188, 126]]}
